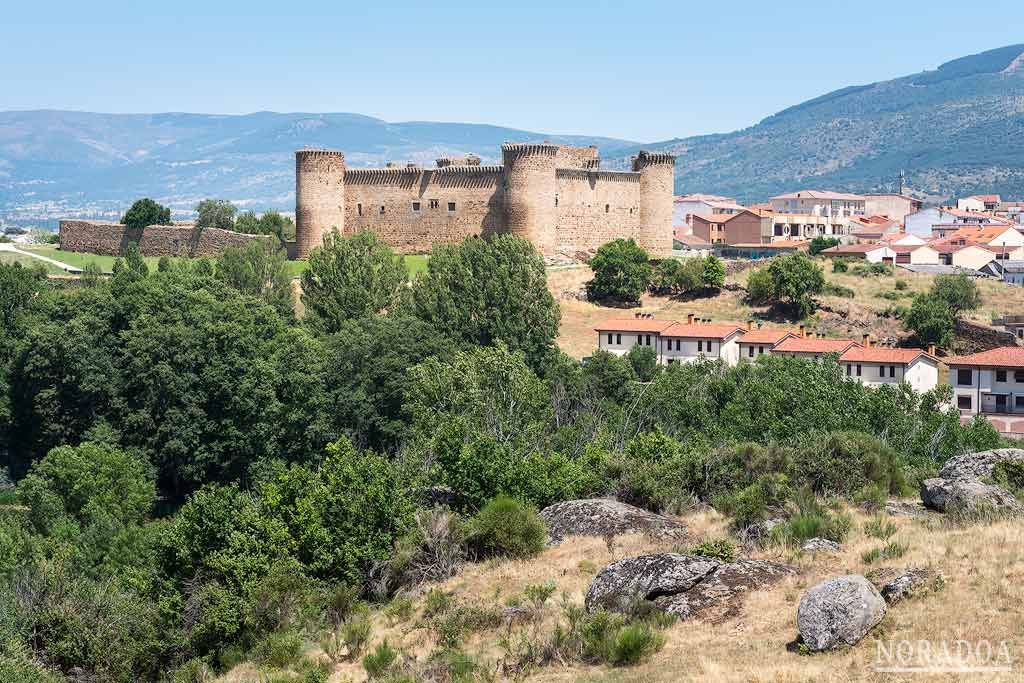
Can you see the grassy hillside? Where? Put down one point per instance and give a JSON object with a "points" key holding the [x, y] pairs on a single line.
{"points": [[956, 130]]}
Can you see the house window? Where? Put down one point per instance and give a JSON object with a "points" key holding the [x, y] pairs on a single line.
{"points": [[964, 377], [892, 370], [609, 337], [434, 203], [760, 349], [1018, 376], [700, 346], [881, 371], [618, 339], [415, 207], [381, 209], [359, 209], [849, 369], [607, 207], [963, 402], [1000, 375], [451, 207], [750, 352], [648, 340], [556, 200], [858, 369], [1018, 401]]}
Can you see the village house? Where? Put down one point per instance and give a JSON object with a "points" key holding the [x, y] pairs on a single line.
{"points": [[620, 335], [922, 222], [686, 206], [993, 236], [878, 366], [692, 245], [902, 239], [868, 229], [742, 227], [872, 253], [890, 204], [1011, 272], [784, 227], [962, 254], [836, 205], [756, 343], [989, 382], [695, 339], [916, 255], [979, 202]]}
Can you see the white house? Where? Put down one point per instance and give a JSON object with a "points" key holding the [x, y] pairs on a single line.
{"points": [[685, 206], [916, 254], [876, 366], [819, 203], [989, 382], [693, 340], [920, 222], [756, 343], [872, 253], [902, 239], [979, 202], [619, 335]]}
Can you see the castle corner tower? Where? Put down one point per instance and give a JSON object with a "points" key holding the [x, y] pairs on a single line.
{"points": [[530, 193], [657, 175], [319, 197]]}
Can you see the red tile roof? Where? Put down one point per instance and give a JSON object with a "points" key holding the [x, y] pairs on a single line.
{"points": [[693, 240], [766, 336], [814, 345], [1001, 357], [985, 197], [703, 330], [714, 217], [820, 194], [876, 354], [634, 325]]}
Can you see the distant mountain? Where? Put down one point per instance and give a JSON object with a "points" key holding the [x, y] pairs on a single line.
{"points": [[955, 131], [56, 163]]}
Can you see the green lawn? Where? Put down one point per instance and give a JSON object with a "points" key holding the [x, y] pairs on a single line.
{"points": [[28, 262], [416, 263]]}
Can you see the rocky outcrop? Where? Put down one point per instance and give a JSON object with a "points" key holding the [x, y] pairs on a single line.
{"points": [[683, 585], [820, 545], [839, 612], [606, 517], [915, 581], [960, 483], [758, 533]]}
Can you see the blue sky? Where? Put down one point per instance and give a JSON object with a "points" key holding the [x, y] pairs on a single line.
{"points": [[642, 70]]}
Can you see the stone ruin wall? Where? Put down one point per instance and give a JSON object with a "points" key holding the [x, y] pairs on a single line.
{"points": [[111, 239], [595, 207], [478, 193]]}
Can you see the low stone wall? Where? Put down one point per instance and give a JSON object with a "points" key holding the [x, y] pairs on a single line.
{"points": [[111, 239]]}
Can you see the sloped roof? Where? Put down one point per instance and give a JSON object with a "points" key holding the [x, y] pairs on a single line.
{"points": [[814, 345], [766, 335], [877, 354], [1001, 357], [820, 194], [634, 325], [703, 330]]}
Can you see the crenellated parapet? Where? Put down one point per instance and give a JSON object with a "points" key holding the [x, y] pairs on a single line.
{"points": [[645, 159]]}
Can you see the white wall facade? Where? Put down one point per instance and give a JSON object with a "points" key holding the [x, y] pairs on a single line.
{"points": [[688, 350], [620, 343], [981, 391], [922, 375]]}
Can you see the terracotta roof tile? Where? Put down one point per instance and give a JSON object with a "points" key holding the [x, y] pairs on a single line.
{"points": [[814, 345], [766, 336], [876, 354], [703, 330], [1001, 357]]}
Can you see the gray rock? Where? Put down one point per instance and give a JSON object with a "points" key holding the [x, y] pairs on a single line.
{"points": [[978, 465], [683, 585], [820, 545], [603, 517], [759, 532], [838, 612], [914, 581], [968, 493], [905, 508]]}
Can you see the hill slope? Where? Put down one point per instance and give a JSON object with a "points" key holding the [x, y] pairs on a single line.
{"points": [[55, 162], [957, 130]]}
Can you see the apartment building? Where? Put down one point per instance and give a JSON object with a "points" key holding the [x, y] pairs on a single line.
{"points": [[686, 206], [878, 366], [784, 227], [923, 222], [989, 382], [820, 203]]}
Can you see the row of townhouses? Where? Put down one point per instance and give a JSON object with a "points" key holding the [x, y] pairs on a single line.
{"points": [[990, 382]]}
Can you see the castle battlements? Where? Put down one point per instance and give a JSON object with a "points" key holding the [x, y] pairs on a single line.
{"points": [[556, 196]]}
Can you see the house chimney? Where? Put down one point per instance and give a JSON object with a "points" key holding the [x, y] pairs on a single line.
{"points": [[637, 314], [689, 318], [866, 339], [750, 324], [931, 349], [803, 333]]}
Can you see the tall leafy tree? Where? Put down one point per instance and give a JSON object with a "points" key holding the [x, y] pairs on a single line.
{"points": [[259, 269], [622, 271], [146, 212], [485, 290], [351, 277], [795, 280], [216, 213]]}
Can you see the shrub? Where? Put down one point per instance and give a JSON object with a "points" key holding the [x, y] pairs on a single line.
{"points": [[380, 662], [751, 504], [279, 649], [622, 271], [879, 528], [900, 285], [355, 633], [437, 602], [931, 319], [644, 361], [833, 289], [507, 528], [795, 280], [810, 519], [539, 593], [452, 626], [633, 643], [820, 244], [713, 272], [759, 286], [959, 292], [432, 550], [719, 549], [840, 265], [842, 463], [1010, 475]]}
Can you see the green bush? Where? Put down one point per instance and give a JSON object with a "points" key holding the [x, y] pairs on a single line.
{"points": [[507, 528], [719, 549], [900, 285], [279, 650], [1010, 475], [381, 661], [840, 265], [644, 361], [622, 271], [634, 643], [879, 528], [820, 244], [810, 519], [842, 463], [759, 286]]}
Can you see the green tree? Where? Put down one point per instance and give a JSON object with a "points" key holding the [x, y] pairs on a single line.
{"points": [[644, 361], [260, 270], [351, 277], [931, 319], [18, 286], [713, 274], [622, 271], [959, 292], [795, 280], [146, 212], [269, 223], [216, 213], [820, 244], [487, 290]]}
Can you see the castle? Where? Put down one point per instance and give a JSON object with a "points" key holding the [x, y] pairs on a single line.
{"points": [[556, 196]]}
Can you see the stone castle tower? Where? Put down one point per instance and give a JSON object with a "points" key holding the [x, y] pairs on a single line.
{"points": [[556, 196]]}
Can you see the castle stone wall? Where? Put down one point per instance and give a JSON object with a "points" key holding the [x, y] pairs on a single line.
{"points": [[595, 207], [577, 157], [382, 201], [111, 239], [319, 197]]}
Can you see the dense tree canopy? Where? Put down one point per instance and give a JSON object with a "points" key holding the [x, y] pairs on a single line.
{"points": [[146, 212], [216, 213], [622, 271]]}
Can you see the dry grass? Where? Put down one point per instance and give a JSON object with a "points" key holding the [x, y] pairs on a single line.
{"points": [[847, 317], [983, 566]]}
